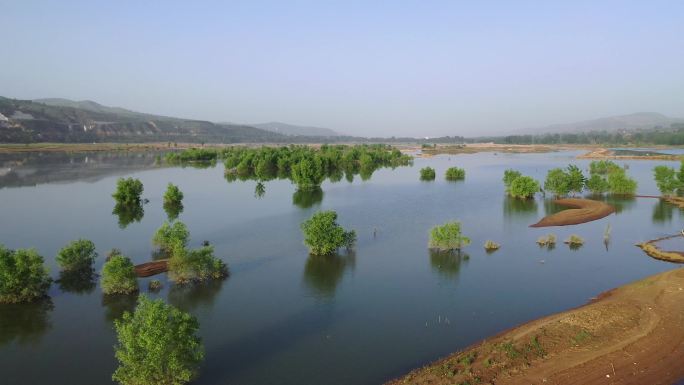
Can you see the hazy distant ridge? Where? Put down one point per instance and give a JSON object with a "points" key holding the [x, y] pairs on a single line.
{"points": [[291, 129], [639, 120]]}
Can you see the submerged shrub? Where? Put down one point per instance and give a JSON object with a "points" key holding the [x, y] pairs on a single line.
{"points": [[195, 265], [509, 176], [154, 285], [324, 236], [597, 184], [173, 195], [448, 237], [523, 187], [128, 191], [77, 255], [168, 236], [455, 173], [619, 183], [427, 173], [549, 240], [574, 240], [666, 179], [23, 275], [118, 276], [157, 344], [491, 246]]}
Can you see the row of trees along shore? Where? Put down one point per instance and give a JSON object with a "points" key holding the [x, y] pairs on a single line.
{"points": [[605, 176]]}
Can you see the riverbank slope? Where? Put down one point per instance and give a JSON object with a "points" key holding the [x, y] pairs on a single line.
{"points": [[630, 335]]}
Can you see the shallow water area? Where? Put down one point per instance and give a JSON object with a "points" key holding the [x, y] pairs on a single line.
{"points": [[283, 317]]}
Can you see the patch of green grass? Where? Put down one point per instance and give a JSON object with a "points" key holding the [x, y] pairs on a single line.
{"points": [[535, 347], [510, 350], [581, 337], [467, 359]]}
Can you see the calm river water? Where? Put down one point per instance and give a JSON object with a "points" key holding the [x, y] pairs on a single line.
{"points": [[285, 318]]}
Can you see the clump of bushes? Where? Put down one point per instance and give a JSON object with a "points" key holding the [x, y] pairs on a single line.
{"points": [[447, 237], [173, 201], [128, 191], [187, 265], [574, 241], [455, 173], [564, 181], [666, 180], [427, 173], [154, 285], [548, 241], [195, 265], [23, 275], [606, 176], [77, 255], [118, 276], [519, 186], [324, 236], [157, 344], [491, 246], [169, 236]]}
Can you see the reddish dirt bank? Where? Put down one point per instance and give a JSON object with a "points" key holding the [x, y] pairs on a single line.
{"points": [[582, 211], [630, 335], [149, 269], [654, 251]]}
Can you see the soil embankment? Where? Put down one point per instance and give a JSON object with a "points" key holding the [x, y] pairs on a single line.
{"points": [[654, 251], [581, 211], [149, 269], [605, 153], [630, 335]]}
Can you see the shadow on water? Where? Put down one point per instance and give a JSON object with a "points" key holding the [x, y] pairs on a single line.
{"points": [[173, 210], [128, 214], [77, 281], [323, 273], [447, 264], [25, 323], [191, 296], [307, 198], [663, 211], [115, 305], [520, 208]]}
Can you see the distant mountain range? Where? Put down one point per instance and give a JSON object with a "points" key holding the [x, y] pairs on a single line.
{"points": [[63, 120], [636, 121], [294, 130]]}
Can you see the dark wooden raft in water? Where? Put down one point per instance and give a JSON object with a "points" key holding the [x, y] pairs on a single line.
{"points": [[149, 269]]}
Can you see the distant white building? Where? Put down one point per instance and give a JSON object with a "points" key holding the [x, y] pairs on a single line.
{"points": [[3, 118]]}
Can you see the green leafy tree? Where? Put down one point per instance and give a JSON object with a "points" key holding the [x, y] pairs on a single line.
{"points": [[128, 191], [427, 173], [620, 184], [23, 275], [602, 167], [666, 179], [308, 173], [173, 195], [557, 181], [597, 184], [324, 236], [523, 187], [509, 177], [118, 276], [157, 344], [195, 265], [576, 179], [168, 236], [77, 255], [680, 173], [455, 173], [448, 237]]}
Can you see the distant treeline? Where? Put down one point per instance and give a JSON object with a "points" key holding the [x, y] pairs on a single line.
{"points": [[674, 135]]}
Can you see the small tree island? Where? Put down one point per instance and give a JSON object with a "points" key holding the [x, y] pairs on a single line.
{"points": [[324, 236], [23, 275]]}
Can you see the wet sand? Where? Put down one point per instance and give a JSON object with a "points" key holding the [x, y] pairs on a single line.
{"points": [[581, 211]]}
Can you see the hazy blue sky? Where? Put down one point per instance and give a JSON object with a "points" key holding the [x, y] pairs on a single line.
{"points": [[367, 68]]}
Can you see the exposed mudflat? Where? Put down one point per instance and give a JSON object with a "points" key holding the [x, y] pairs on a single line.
{"points": [[630, 335], [581, 211]]}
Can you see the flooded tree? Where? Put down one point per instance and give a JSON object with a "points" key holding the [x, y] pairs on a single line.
{"points": [[324, 236], [128, 191], [427, 174], [173, 201], [157, 344], [77, 255], [118, 276], [23, 275], [454, 173], [448, 237]]}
